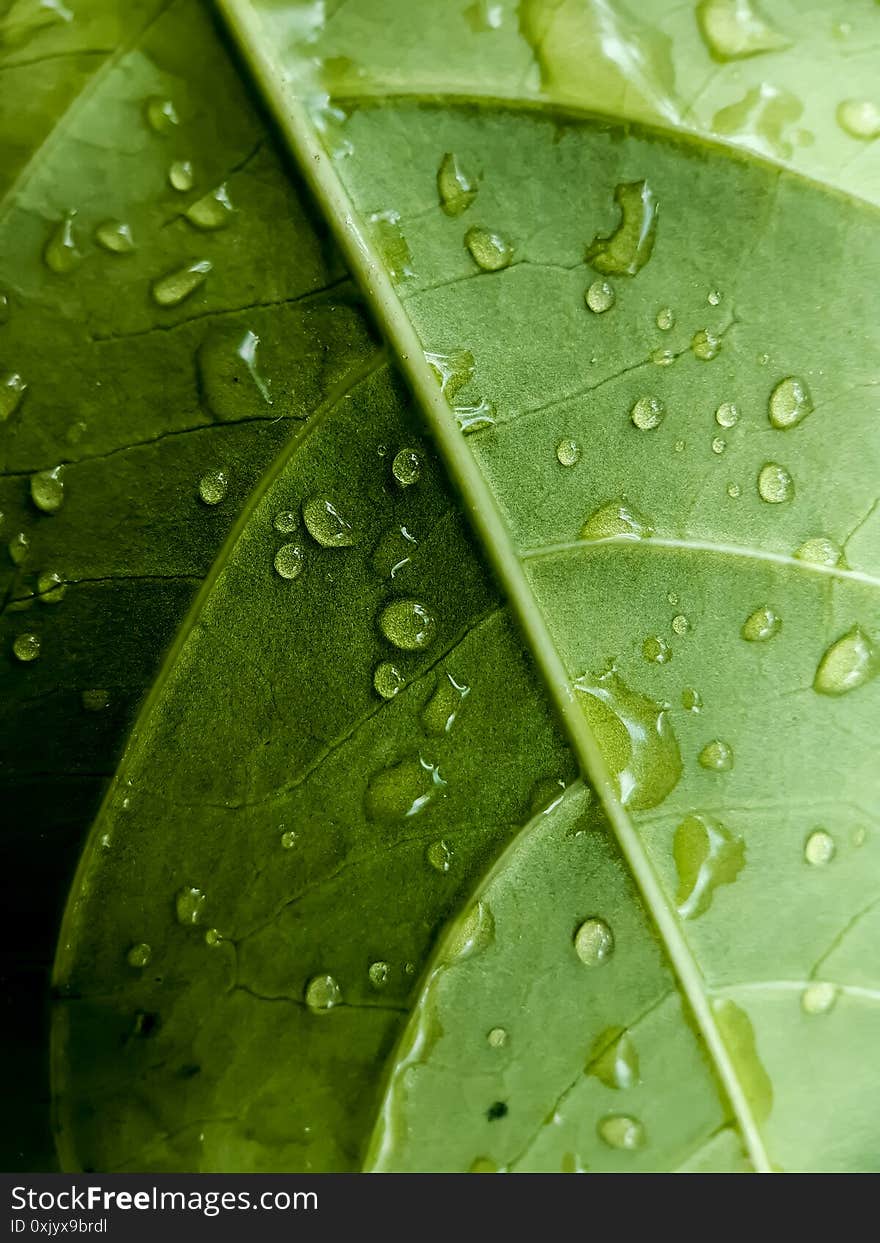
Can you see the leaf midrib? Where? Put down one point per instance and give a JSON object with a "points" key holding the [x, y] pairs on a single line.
{"points": [[482, 509]]}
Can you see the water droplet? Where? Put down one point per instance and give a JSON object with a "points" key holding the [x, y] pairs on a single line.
{"points": [[4, 307], [622, 1132], [727, 414], [483, 16], [680, 624], [392, 244], [616, 518], [475, 418], [714, 297], [61, 253], [326, 524], [600, 297], [818, 998], [161, 114], [848, 663], [212, 487], [733, 29], [288, 839], [636, 739], [289, 560], [613, 1059], [12, 388], [393, 552], [176, 286], [628, 249], [457, 189], [860, 118], [656, 650], [648, 413], [819, 848], [408, 625], [453, 371], [139, 955], [322, 993], [51, 587], [717, 756], [439, 856], [820, 551], [95, 700], [471, 934], [719, 445], [483, 1165], [189, 905], [213, 938], [18, 547], [546, 794], [705, 345], [691, 700], [47, 490], [761, 625], [212, 211], [377, 973], [790, 403], [115, 236], [388, 680], [490, 251], [568, 453], [665, 318], [286, 521], [594, 942], [663, 357], [443, 707], [230, 380], [181, 176], [706, 855], [496, 1038], [734, 491], [26, 647], [403, 790], [775, 484], [407, 467]]}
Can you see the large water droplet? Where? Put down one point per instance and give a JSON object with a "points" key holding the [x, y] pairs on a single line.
{"points": [[12, 389], [408, 625], [733, 29], [705, 345], [819, 848], [471, 934], [139, 955], [322, 994], [230, 380], [717, 756], [453, 370], [600, 297], [18, 548], [568, 453], [727, 415], [407, 467], [161, 114], [616, 518], [212, 211], [790, 403], [189, 905], [775, 484], [115, 236], [475, 418], [820, 551], [648, 413], [286, 521], [181, 176], [490, 251], [47, 490], [706, 855], [176, 286], [392, 244], [26, 647], [388, 680], [636, 738], [51, 587], [289, 561], [656, 650], [613, 1059], [457, 189], [628, 249], [61, 253], [439, 856], [761, 625], [860, 118], [213, 487], [325, 523], [848, 663], [819, 998], [622, 1132], [403, 790], [444, 705]]}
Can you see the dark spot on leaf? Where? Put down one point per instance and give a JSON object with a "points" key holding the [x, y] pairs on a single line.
{"points": [[496, 1110]]}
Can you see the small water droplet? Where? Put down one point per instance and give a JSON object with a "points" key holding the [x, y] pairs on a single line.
{"points": [[189, 905], [453, 370], [289, 560], [691, 700], [714, 297], [546, 794], [761, 625], [4, 307], [161, 114], [719, 445], [402, 790], [95, 700], [705, 345], [115, 236], [860, 118], [733, 29], [496, 1038], [288, 839], [818, 998], [613, 1059], [727, 414], [717, 756], [377, 973], [439, 856], [61, 253], [407, 467], [775, 484], [18, 548], [734, 491], [647, 413], [594, 942], [51, 587], [665, 318], [471, 934], [663, 357], [181, 176], [847, 664], [819, 848], [392, 244], [622, 1132], [820, 551], [176, 286], [457, 189], [483, 16], [680, 624], [388, 680], [489, 251], [626, 251], [407, 624], [325, 523], [790, 403], [212, 211], [213, 486], [444, 705], [568, 453], [213, 938], [475, 418], [322, 993], [286, 521], [657, 650], [12, 388], [706, 855], [47, 490], [600, 297], [26, 647], [616, 518], [139, 955]]}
